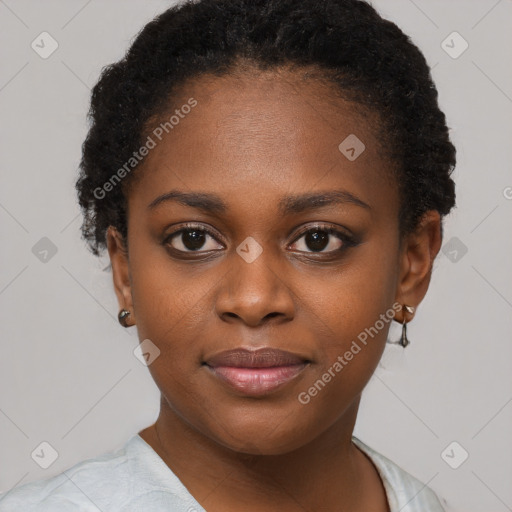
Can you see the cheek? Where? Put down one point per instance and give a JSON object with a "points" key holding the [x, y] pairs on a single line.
{"points": [[166, 314], [356, 294], [352, 313], [170, 306], [167, 296]]}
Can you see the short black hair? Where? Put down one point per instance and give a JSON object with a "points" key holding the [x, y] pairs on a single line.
{"points": [[368, 58]]}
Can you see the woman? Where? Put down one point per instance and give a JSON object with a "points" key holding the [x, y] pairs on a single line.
{"points": [[269, 178]]}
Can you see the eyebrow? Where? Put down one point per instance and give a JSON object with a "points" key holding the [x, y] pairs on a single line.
{"points": [[211, 203]]}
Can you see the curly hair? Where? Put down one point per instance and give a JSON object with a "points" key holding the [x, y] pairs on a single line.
{"points": [[367, 58]]}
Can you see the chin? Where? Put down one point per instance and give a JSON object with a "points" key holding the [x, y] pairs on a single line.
{"points": [[263, 435]]}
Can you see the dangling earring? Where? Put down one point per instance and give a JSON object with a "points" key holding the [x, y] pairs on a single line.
{"points": [[403, 341], [122, 317]]}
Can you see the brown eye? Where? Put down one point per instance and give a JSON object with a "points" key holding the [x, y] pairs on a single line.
{"points": [[322, 239], [192, 239]]}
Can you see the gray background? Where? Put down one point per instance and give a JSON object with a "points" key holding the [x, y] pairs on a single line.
{"points": [[68, 375]]}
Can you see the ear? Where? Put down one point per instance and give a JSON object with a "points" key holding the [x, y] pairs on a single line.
{"points": [[120, 271], [417, 255]]}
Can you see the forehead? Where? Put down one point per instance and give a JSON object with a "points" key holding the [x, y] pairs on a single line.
{"points": [[262, 135]]}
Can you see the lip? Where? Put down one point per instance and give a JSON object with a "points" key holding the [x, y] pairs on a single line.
{"points": [[256, 372]]}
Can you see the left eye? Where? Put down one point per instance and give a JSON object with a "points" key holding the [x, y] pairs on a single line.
{"points": [[317, 239]]}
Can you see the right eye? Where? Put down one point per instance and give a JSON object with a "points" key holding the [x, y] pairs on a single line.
{"points": [[191, 238]]}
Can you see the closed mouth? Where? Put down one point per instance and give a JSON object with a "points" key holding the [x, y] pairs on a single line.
{"points": [[256, 372]]}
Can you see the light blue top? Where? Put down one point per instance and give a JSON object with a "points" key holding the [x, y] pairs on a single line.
{"points": [[135, 478]]}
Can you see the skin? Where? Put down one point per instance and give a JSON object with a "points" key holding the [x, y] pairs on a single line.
{"points": [[252, 139]]}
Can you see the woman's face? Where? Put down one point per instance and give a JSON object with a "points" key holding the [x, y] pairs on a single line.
{"points": [[246, 274]]}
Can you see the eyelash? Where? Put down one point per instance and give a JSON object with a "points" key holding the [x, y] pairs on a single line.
{"points": [[348, 241]]}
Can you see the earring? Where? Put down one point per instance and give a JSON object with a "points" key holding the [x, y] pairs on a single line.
{"points": [[122, 317], [403, 341]]}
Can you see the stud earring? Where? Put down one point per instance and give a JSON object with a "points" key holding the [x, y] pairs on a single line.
{"points": [[403, 341], [122, 317]]}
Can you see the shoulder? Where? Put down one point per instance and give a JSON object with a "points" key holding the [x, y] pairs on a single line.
{"points": [[405, 492], [118, 480], [76, 487]]}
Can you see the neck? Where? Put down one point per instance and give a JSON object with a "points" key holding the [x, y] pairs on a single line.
{"points": [[329, 471]]}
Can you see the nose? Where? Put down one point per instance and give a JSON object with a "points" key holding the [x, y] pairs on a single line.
{"points": [[255, 292]]}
